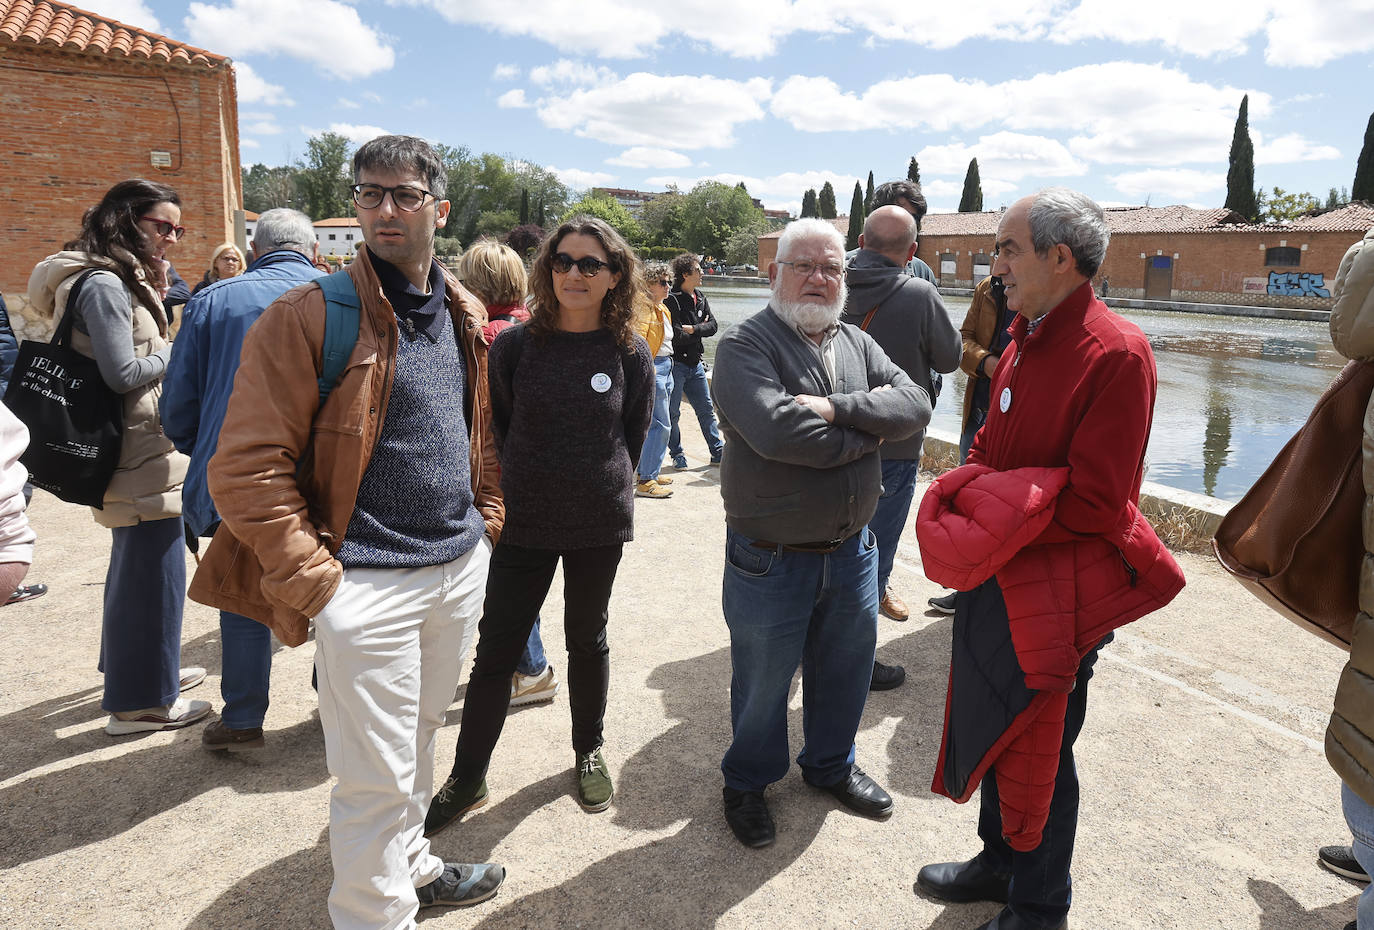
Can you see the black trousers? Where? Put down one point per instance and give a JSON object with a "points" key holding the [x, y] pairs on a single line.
{"points": [[517, 583]]}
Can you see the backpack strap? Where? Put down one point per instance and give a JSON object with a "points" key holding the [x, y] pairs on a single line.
{"points": [[341, 320]]}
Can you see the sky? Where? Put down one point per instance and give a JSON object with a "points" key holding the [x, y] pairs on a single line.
{"points": [[1130, 103]]}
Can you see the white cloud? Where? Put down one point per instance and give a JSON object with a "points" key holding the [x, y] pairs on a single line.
{"points": [[777, 192], [249, 144], [649, 157], [253, 89], [631, 110], [328, 34], [513, 100], [1169, 184], [1290, 148], [1311, 34], [505, 72], [351, 131], [130, 13], [263, 128], [579, 180], [568, 73], [344, 103], [1004, 159]]}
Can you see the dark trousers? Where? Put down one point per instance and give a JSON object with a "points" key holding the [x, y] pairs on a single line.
{"points": [[1040, 886], [140, 636], [517, 583]]}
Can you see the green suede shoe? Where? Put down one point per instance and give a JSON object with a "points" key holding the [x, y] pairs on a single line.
{"points": [[594, 789]]}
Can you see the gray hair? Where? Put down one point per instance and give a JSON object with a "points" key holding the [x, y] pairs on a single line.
{"points": [[806, 230], [1059, 215], [284, 228]]}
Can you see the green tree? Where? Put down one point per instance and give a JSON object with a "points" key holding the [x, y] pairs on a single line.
{"points": [[1240, 174], [825, 203], [524, 205], [1363, 186], [1281, 205], [808, 208], [971, 201], [497, 223], [742, 248], [868, 196], [605, 208], [662, 218], [323, 178], [913, 171], [713, 212], [266, 188], [856, 216]]}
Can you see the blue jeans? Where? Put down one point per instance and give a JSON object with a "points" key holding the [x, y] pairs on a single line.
{"points": [[140, 633], [1359, 816], [976, 419], [691, 380], [656, 441], [1041, 889], [246, 670], [894, 506], [532, 660], [785, 608]]}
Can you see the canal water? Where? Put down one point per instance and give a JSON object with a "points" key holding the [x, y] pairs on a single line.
{"points": [[1232, 390]]}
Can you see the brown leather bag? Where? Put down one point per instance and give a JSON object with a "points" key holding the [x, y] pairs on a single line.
{"points": [[1294, 539]]}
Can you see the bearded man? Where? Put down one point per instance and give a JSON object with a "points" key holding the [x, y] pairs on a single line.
{"points": [[804, 401]]}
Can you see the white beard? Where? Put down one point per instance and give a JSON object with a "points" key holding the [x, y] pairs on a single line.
{"points": [[809, 317]]}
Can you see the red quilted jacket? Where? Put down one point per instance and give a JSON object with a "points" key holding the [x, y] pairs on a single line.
{"points": [[1061, 599]]}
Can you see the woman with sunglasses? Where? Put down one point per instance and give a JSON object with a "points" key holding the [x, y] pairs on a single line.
{"points": [[571, 392], [120, 322]]}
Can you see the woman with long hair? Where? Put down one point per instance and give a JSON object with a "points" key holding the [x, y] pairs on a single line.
{"points": [[225, 262], [570, 395], [120, 322]]}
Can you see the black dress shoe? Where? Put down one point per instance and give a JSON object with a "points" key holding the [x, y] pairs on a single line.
{"points": [[747, 814], [963, 881], [860, 794], [1006, 920], [886, 677]]}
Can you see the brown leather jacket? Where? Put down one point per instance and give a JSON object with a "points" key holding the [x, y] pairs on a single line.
{"points": [[285, 476], [978, 330]]}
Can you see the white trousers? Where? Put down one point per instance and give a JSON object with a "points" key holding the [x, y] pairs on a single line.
{"points": [[389, 648]]}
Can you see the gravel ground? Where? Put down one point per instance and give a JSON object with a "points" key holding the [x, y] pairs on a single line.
{"points": [[1205, 790]]}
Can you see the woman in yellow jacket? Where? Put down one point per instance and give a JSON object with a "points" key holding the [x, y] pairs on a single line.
{"points": [[655, 324]]}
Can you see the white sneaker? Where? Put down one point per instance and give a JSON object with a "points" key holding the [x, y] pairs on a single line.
{"points": [[533, 689], [182, 713], [190, 677]]}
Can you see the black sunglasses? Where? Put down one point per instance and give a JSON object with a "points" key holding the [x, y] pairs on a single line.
{"points": [[588, 267]]}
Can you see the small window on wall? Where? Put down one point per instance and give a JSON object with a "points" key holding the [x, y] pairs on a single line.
{"points": [[1281, 256], [332, 237], [948, 262]]}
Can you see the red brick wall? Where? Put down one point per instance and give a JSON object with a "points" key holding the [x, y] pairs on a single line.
{"points": [[74, 125]]}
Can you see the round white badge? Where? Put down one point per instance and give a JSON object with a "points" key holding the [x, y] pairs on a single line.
{"points": [[1005, 401], [601, 382]]}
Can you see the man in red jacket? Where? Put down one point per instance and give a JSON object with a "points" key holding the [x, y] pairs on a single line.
{"points": [[1076, 389]]}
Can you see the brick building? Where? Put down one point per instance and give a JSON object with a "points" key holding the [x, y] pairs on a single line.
{"points": [[88, 102], [1169, 253]]}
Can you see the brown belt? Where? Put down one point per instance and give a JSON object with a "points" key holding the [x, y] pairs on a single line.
{"points": [[821, 547]]}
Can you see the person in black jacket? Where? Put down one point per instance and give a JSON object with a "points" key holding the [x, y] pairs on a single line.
{"points": [[692, 321]]}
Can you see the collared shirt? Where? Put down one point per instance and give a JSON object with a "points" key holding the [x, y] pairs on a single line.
{"points": [[825, 351], [1033, 325], [415, 310]]}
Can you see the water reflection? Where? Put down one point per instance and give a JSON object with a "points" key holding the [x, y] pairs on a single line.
{"points": [[1232, 390]]}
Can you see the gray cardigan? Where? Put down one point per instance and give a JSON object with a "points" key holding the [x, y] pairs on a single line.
{"points": [[787, 475]]}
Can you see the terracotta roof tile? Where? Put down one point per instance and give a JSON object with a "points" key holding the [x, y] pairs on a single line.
{"points": [[339, 221], [48, 22]]}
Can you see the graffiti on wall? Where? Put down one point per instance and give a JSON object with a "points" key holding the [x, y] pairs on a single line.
{"points": [[1297, 284]]}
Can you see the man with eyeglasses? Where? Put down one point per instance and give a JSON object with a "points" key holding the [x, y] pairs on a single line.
{"points": [[372, 511], [804, 401]]}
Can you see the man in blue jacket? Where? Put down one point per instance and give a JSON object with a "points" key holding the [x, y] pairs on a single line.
{"points": [[195, 393]]}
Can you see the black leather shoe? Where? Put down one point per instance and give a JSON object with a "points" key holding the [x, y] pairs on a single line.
{"points": [[962, 881], [886, 677], [747, 814], [1006, 920], [860, 794]]}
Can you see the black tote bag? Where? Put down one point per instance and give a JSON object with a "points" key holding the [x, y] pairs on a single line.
{"points": [[75, 421]]}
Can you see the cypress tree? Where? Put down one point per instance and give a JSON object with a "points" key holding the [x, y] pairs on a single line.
{"points": [[972, 199], [913, 171], [856, 217], [524, 206], [1363, 188], [809, 204], [825, 203], [868, 196], [1240, 175]]}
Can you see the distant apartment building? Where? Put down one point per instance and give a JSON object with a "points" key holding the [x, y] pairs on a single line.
{"points": [[340, 236]]}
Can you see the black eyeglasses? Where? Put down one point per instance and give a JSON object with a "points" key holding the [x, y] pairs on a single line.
{"points": [[588, 267], [165, 228], [409, 199]]}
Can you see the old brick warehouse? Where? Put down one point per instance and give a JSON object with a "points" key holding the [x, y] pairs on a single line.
{"points": [[1169, 253], [88, 102]]}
